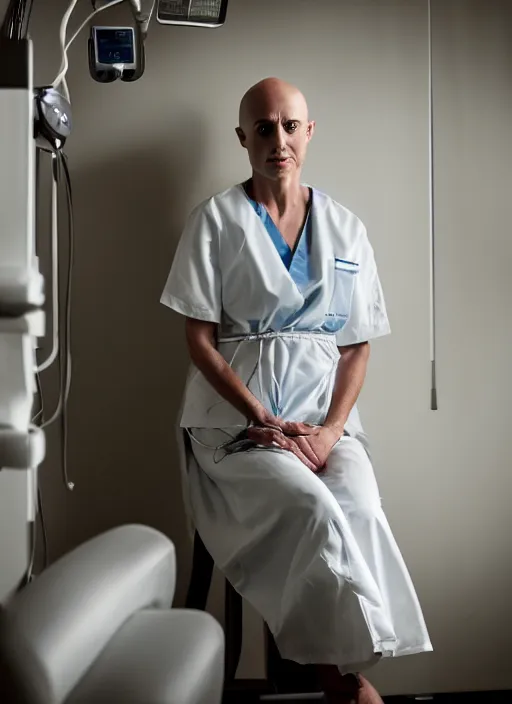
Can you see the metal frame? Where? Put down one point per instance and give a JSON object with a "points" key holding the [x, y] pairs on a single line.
{"points": [[433, 385]]}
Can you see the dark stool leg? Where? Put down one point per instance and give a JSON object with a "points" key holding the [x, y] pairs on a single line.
{"points": [[201, 576], [286, 676], [233, 627], [197, 596]]}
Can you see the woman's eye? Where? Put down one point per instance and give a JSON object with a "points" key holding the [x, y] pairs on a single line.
{"points": [[265, 130]]}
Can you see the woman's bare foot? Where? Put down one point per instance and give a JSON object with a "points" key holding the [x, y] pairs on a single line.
{"points": [[347, 689], [338, 689], [367, 693]]}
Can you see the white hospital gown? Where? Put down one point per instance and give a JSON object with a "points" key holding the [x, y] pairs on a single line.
{"points": [[313, 553]]}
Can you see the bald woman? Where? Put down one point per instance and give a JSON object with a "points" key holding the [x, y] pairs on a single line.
{"points": [[280, 291]]}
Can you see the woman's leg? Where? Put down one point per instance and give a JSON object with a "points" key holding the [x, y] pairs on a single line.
{"points": [[350, 478], [346, 689], [279, 535]]}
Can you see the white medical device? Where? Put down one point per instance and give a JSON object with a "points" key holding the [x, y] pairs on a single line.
{"points": [[113, 53], [37, 120]]}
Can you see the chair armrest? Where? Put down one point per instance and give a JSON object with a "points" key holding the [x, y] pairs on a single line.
{"points": [[53, 631], [158, 657]]}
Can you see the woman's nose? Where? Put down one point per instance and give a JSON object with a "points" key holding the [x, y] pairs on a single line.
{"points": [[280, 138]]}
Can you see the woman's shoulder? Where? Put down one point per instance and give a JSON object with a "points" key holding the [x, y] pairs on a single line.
{"points": [[338, 216], [222, 201], [327, 202]]}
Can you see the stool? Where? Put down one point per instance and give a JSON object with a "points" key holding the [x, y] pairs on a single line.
{"points": [[284, 677]]}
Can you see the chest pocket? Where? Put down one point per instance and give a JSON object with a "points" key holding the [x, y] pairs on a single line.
{"points": [[345, 274]]}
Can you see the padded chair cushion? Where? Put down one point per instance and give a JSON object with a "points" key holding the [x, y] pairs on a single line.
{"points": [[55, 629], [172, 657]]}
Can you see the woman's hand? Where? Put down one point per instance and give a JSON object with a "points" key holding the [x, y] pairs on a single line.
{"points": [[264, 418], [312, 448], [292, 428], [274, 437], [318, 445]]}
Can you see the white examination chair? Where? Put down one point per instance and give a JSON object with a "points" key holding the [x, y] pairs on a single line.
{"points": [[97, 628]]}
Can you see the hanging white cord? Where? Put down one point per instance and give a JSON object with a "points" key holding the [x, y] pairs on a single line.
{"points": [[62, 38], [55, 271], [64, 44], [433, 385], [66, 361], [89, 18]]}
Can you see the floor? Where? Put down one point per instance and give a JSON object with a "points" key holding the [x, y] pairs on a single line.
{"points": [[467, 698], [253, 697]]}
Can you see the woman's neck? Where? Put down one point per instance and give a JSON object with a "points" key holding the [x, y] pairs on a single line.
{"points": [[281, 196]]}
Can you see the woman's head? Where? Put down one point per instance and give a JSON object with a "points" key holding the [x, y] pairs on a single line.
{"points": [[275, 128]]}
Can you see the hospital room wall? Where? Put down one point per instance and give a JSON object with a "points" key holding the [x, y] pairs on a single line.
{"points": [[143, 155]]}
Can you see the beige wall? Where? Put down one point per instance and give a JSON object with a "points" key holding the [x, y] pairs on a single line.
{"points": [[142, 155]]}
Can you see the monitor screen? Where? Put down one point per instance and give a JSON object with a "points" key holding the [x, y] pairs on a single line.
{"points": [[115, 45], [207, 12]]}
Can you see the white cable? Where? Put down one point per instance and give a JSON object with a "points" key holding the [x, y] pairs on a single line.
{"points": [[99, 9], [56, 414], [212, 447], [66, 385], [55, 272], [61, 77], [62, 38], [65, 89]]}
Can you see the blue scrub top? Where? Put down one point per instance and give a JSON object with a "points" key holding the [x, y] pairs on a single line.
{"points": [[296, 262]]}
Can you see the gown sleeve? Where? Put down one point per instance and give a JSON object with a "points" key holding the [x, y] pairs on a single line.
{"points": [[193, 287], [368, 317]]}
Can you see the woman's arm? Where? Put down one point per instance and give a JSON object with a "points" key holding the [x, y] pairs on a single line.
{"points": [[350, 377], [202, 345], [349, 381]]}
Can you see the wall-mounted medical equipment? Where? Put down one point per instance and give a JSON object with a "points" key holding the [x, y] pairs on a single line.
{"points": [[114, 52], [36, 122], [194, 13]]}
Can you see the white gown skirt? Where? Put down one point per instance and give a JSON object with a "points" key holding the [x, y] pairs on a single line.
{"points": [[313, 553]]}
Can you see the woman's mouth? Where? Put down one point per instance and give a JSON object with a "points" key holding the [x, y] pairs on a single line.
{"points": [[279, 161]]}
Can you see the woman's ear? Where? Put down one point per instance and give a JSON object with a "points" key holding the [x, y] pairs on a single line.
{"points": [[241, 136]]}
